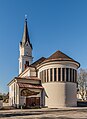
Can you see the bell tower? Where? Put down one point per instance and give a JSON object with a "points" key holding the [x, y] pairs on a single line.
{"points": [[25, 48]]}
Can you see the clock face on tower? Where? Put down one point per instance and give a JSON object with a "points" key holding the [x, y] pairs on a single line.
{"points": [[26, 53]]}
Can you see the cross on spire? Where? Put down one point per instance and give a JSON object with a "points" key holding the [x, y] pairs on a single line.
{"points": [[25, 17]]}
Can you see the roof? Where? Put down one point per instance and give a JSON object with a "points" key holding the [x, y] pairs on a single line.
{"points": [[30, 86], [28, 77], [25, 35], [60, 56], [37, 62]]}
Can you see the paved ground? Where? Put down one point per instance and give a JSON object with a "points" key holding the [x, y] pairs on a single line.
{"points": [[64, 113]]}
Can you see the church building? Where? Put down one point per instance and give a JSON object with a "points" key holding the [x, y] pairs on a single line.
{"points": [[48, 82]]}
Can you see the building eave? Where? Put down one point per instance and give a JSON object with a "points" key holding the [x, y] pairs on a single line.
{"points": [[58, 62], [12, 81]]}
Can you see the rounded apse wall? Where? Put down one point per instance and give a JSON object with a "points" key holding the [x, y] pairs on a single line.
{"points": [[60, 94], [59, 80]]}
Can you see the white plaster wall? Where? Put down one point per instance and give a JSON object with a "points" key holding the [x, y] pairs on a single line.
{"points": [[11, 94], [33, 73], [60, 94], [71, 94], [17, 95], [24, 57], [21, 49], [14, 94], [28, 72]]}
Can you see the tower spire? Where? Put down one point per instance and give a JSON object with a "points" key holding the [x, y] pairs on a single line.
{"points": [[25, 37], [25, 58]]}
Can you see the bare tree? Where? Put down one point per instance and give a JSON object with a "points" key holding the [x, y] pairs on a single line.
{"points": [[82, 83]]}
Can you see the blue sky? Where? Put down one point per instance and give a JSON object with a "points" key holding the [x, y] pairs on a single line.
{"points": [[53, 25]]}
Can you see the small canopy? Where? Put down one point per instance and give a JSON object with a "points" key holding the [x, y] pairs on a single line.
{"points": [[30, 86]]}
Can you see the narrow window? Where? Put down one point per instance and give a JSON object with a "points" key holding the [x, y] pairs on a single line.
{"points": [[75, 76], [44, 75], [59, 74], [63, 74], [26, 64], [47, 75], [50, 74], [67, 71], [54, 74], [70, 75]]}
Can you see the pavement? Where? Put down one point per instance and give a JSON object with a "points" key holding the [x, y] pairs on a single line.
{"points": [[45, 113]]}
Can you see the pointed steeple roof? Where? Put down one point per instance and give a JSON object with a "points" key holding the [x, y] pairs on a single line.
{"points": [[25, 37]]}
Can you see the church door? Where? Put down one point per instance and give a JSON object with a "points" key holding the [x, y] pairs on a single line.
{"points": [[33, 101]]}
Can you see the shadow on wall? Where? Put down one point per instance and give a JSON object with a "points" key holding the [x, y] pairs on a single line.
{"points": [[45, 93]]}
